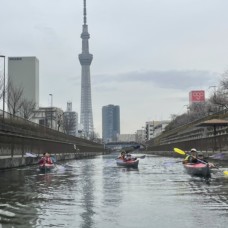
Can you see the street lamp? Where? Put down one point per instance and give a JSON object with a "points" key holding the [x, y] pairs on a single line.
{"points": [[2, 56], [51, 106]]}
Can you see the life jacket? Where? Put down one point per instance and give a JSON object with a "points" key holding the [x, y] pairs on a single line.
{"points": [[45, 160], [42, 161], [187, 157], [191, 159], [48, 160]]}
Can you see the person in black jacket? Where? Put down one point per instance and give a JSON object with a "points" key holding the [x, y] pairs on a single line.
{"points": [[201, 159]]}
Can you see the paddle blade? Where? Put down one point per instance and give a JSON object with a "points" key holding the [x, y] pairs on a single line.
{"points": [[179, 151], [225, 172]]}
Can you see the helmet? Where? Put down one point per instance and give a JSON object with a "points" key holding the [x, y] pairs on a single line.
{"points": [[193, 150]]}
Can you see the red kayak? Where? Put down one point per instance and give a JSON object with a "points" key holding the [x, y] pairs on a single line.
{"points": [[46, 167], [133, 163], [198, 169]]}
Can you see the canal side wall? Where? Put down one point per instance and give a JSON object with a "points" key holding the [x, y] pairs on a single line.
{"points": [[7, 162], [19, 136]]}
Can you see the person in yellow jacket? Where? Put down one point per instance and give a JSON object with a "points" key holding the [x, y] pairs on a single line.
{"points": [[192, 157]]}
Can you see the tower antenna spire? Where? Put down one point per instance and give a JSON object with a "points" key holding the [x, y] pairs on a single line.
{"points": [[84, 12]]}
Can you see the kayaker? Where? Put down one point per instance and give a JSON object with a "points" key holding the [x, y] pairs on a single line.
{"points": [[128, 157], [46, 159], [192, 157], [201, 159], [122, 155]]}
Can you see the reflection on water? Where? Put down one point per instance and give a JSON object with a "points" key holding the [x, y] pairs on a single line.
{"points": [[88, 189], [97, 193]]}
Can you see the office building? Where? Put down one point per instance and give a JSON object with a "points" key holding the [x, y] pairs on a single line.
{"points": [[23, 73], [110, 123]]}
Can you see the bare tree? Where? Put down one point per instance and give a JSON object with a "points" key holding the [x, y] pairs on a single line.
{"points": [[68, 123], [93, 136], [196, 111], [15, 100], [224, 81], [59, 120], [27, 109], [220, 97]]}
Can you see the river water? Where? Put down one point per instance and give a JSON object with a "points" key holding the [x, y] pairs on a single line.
{"points": [[96, 193]]}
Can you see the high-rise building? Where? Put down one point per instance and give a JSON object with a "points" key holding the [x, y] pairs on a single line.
{"points": [[23, 73], [110, 123], [85, 58], [70, 121]]}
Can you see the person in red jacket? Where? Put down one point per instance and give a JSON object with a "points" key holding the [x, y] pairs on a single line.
{"points": [[46, 159]]}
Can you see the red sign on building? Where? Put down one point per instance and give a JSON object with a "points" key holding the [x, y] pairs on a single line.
{"points": [[196, 96]]}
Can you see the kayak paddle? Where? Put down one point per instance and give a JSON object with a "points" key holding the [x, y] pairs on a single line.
{"points": [[179, 151]]}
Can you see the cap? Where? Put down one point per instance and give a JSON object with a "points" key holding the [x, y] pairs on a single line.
{"points": [[193, 150]]}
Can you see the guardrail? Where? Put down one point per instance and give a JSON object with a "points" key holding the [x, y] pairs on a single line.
{"points": [[19, 133]]}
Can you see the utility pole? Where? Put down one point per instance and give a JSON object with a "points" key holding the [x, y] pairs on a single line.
{"points": [[4, 87], [51, 106]]}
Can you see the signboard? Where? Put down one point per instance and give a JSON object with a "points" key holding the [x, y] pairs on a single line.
{"points": [[197, 96]]}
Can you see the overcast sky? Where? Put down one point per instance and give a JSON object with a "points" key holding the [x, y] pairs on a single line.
{"points": [[148, 54]]}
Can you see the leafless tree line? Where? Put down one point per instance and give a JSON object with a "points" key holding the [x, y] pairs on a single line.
{"points": [[15, 100], [20, 106]]}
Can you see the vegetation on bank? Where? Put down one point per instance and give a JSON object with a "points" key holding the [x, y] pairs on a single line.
{"points": [[217, 102], [215, 107]]}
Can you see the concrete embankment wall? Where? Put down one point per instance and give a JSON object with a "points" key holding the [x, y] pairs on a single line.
{"points": [[8, 162]]}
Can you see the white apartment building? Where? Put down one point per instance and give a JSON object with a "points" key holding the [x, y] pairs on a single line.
{"points": [[155, 128], [51, 117], [159, 128]]}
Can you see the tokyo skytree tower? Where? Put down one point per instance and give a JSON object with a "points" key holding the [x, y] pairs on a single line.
{"points": [[85, 58]]}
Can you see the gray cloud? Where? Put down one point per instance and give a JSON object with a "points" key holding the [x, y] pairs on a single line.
{"points": [[147, 54], [163, 79]]}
